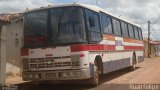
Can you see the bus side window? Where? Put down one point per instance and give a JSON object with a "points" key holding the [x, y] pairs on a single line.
{"points": [[93, 25], [106, 22], [140, 34], [124, 29], [116, 27], [136, 33], [131, 32]]}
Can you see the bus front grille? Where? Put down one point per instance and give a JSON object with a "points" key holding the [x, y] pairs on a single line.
{"points": [[44, 63]]}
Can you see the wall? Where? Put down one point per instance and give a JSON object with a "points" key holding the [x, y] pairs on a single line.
{"points": [[158, 50], [14, 43], [3, 54], [10, 45], [153, 50]]}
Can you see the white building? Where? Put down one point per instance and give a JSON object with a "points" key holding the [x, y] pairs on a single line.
{"points": [[158, 50], [155, 48], [11, 33]]}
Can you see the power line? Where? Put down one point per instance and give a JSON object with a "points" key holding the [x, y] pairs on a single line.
{"points": [[155, 21], [153, 24], [155, 35]]}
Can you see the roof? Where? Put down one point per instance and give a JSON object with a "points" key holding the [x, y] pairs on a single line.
{"points": [[91, 7], [7, 18]]}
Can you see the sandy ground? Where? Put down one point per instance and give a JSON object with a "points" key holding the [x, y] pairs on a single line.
{"points": [[147, 72]]}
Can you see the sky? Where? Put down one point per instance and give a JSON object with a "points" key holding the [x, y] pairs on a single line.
{"points": [[137, 11]]}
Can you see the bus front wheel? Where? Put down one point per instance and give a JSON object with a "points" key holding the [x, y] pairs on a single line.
{"points": [[95, 78]]}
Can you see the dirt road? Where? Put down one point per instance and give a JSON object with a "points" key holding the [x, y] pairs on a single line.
{"points": [[147, 72]]}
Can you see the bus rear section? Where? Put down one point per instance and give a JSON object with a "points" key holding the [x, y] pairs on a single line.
{"points": [[76, 42]]}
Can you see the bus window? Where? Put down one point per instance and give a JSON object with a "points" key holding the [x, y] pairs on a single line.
{"points": [[124, 29], [36, 28], [93, 24], [136, 33], [116, 27], [131, 32], [106, 23], [67, 25], [140, 33]]}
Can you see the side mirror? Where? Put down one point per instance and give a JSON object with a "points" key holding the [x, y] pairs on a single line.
{"points": [[91, 21]]}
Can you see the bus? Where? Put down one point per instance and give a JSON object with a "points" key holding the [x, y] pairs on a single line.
{"points": [[78, 42]]}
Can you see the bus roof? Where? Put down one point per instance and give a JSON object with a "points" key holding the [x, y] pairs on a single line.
{"points": [[91, 7]]}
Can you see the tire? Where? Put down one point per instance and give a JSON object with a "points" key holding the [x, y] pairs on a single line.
{"points": [[95, 78], [133, 67]]}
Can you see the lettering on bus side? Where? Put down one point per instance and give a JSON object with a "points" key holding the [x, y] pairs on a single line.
{"points": [[118, 42]]}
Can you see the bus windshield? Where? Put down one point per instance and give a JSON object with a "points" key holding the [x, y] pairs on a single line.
{"points": [[56, 26]]}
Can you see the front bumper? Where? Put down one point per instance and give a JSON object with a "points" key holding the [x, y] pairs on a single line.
{"points": [[56, 75]]}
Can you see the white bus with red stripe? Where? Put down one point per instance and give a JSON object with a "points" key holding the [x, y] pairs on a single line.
{"points": [[77, 42]]}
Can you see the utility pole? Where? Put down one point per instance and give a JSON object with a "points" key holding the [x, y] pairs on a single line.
{"points": [[149, 27]]}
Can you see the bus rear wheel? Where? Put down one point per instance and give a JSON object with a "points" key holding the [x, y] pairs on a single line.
{"points": [[133, 67]]}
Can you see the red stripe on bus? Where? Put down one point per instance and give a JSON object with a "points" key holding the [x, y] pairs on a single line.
{"points": [[75, 48], [111, 47], [133, 47]]}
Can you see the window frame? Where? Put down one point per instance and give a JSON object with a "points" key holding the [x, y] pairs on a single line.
{"points": [[136, 31], [140, 33], [102, 27], [127, 31], [88, 32], [83, 20], [132, 30], [117, 20], [47, 29]]}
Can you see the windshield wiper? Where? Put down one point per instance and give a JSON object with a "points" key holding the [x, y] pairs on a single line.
{"points": [[57, 34]]}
